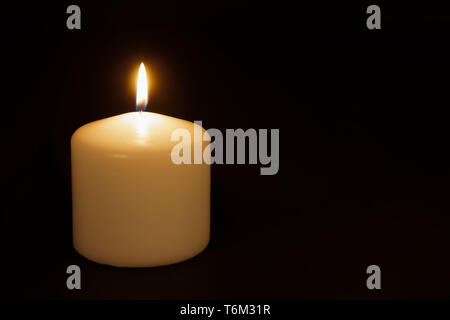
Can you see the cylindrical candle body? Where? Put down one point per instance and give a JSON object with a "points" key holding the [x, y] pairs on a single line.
{"points": [[132, 206]]}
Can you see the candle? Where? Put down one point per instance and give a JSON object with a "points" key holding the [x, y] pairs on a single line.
{"points": [[132, 206]]}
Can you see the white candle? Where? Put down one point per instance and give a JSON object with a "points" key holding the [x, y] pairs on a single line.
{"points": [[132, 206]]}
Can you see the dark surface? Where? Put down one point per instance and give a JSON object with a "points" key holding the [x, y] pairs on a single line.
{"points": [[363, 158]]}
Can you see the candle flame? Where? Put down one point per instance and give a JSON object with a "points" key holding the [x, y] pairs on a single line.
{"points": [[142, 89]]}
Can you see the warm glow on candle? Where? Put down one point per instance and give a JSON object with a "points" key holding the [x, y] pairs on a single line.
{"points": [[142, 89], [133, 206]]}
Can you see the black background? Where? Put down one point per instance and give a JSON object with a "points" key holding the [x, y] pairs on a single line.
{"points": [[363, 143]]}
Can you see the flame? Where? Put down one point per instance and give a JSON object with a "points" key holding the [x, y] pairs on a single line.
{"points": [[142, 89]]}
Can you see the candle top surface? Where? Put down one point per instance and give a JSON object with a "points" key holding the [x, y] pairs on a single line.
{"points": [[133, 131]]}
